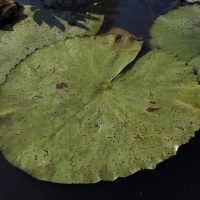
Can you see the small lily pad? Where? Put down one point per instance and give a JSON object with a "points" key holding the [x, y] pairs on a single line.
{"points": [[178, 31]]}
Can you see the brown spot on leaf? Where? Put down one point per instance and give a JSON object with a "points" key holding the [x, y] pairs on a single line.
{"points": [[61, 85], [118, 38], [149, 109], [152, 102], [38, 96], [137, 137]]}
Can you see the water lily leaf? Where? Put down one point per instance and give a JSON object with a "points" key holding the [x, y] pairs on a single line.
{"points": [[178, 32], [64, 80], [38, 27], [70, 118]]}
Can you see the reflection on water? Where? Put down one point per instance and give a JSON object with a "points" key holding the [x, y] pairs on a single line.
{"points": [[134, 16]]}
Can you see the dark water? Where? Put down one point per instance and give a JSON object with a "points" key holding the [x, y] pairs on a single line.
{"points": [[132, 15], [177, 178]]}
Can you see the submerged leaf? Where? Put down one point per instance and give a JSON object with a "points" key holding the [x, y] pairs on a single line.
{"points": [[38, 27], [178, 31]]}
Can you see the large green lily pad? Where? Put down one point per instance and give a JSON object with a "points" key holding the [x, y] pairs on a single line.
{"points": [[57, 87], [178, 31], [38, 27], [68, 117]]}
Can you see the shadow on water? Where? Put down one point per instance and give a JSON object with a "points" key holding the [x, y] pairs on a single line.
{"points": [[134, 16], [49, 16], [71, 18]]}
